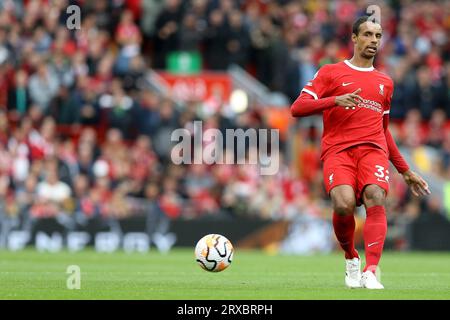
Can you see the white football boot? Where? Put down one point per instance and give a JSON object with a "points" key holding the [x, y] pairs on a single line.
{"points": [[353, 273], [369, 281]]}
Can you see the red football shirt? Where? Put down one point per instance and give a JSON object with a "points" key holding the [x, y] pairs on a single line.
{"points": [[343, 127]]}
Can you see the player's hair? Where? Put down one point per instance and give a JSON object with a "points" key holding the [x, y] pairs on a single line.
{"points": [[357, 23]]}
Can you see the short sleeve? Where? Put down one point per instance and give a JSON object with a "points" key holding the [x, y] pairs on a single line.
{"points": [[319, 84]]}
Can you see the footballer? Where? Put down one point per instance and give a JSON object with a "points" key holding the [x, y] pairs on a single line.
{"points": [[355, 99]]}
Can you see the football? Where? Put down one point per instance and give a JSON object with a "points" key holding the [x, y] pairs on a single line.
{"points": [[214, 252]]}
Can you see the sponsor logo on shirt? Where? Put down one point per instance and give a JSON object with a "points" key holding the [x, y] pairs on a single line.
{"points": [[370, 104]]}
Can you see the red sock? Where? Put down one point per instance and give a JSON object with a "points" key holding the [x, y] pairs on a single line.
{"points": [[375, 230], [344, 229]]}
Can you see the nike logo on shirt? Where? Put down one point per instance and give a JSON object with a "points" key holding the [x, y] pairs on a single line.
{"points": [[371, 244], [346, 84]]}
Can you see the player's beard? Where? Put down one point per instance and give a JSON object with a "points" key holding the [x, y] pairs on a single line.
{"points": [[367, 55]]}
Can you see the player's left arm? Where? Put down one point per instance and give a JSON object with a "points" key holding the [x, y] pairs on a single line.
{"points": [[417, 184]]}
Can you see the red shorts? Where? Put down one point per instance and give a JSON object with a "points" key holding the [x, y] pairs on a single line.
{"points": [[358, 167]]}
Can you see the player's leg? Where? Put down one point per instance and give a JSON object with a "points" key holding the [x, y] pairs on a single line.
{"points": [[375, 229], [340, 182], [373, 186], [339, 174], [344, 202]]}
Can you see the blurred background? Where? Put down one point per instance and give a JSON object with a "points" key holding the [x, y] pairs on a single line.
{"points": [[88, 104]]}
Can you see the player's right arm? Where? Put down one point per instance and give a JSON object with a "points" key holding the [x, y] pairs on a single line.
{"points": [[314, 97]]}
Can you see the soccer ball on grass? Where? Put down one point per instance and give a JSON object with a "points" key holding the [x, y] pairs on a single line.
{"points": [[214, 252]]}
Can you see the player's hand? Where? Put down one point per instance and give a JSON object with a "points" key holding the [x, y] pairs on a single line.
{"points": [[349, 100], [419, 187]]}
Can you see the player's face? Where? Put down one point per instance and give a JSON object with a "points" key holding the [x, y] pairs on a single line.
{"points": [[368, 39]]}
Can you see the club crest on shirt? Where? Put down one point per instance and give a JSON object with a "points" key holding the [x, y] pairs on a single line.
{"points": [[382, 89]]}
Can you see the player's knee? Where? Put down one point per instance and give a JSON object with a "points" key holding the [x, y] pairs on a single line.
{"points": [[344, 205], [374, 196]]}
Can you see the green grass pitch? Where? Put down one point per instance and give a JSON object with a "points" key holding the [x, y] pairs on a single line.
{"points": [[253, 275]]}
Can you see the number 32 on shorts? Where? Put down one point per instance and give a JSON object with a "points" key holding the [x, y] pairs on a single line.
{"points": [[382, 174]]}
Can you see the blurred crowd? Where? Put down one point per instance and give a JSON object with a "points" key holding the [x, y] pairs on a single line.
{"points": [[80, 130]]}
